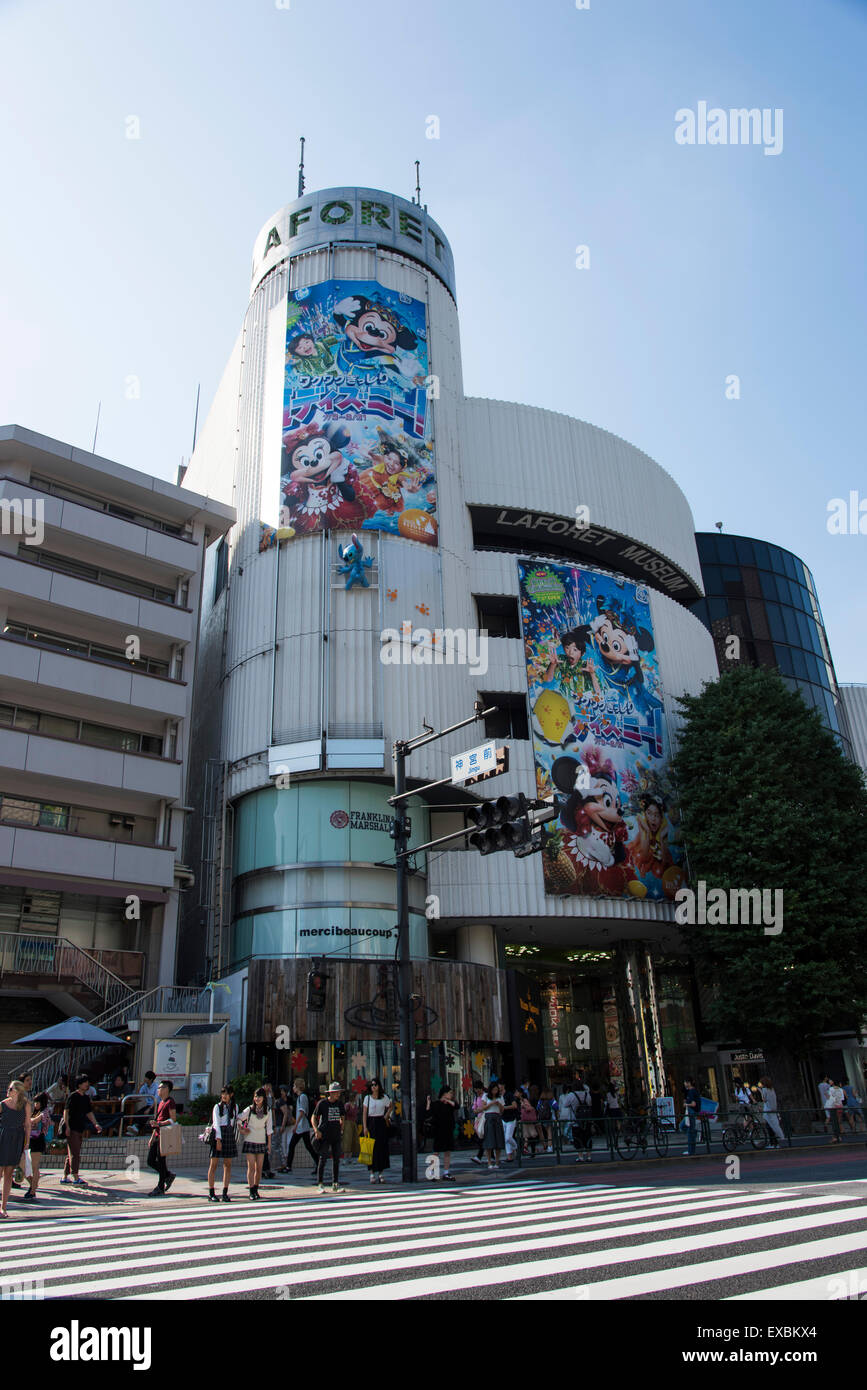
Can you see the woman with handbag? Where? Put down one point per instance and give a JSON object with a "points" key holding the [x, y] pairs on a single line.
{"points": [[375, 1116], [529, 1126], [494, 1136], [165, 1116], [256, 1127], [221, 1141]]}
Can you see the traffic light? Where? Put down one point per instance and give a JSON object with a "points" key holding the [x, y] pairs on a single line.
{"points": [[316, 992], [501, 824]]}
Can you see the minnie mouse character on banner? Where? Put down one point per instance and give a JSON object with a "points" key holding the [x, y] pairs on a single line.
{"points": [[591, 813], [318, 482]]}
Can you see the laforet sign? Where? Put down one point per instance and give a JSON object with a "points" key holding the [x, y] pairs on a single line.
{"points": [[365, 216], [544, 534]]}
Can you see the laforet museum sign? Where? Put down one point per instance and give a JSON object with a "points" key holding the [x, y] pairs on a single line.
{"points": [[541, 533]]}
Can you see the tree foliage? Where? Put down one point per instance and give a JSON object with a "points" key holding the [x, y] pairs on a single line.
{"points": [[768, 800]]}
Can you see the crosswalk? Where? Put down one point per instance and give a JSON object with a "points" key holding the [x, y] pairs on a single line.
{"points": [[529, 1240]]}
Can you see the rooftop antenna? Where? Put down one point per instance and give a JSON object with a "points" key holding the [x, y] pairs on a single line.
{"points": [[719, 526], [96, 427], [301, 171], [196, 417], [417, 198]]}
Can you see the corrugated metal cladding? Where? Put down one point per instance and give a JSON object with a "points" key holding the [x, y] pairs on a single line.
{"points": [[855, 708], [526, 457]]}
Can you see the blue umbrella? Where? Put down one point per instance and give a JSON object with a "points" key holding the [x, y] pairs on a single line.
{"points": [[68, 1034], [71, 1033]]}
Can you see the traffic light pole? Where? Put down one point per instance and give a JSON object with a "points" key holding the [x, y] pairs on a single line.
{"points": [[401, 751], [409, 1170]]}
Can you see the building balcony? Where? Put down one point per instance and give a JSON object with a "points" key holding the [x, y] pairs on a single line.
{"points": [[47, 850], [28, 580], [109, 524], [71, 760], [105, 682]]}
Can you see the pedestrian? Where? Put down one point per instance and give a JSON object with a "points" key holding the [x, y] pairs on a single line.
{"points": [[769, 1111], [351, 1146], [692, 1109], [270, 1102], [283, 1121], [834, 1108], [328, 1121], [301, 1131], [77, 1115], [824, 1088], [40, 1123], [854, 1111], [222, 1143], [375, 1116], [148, 1092], [477, 1106], [612, 1106], [14, 1136], [742, 1096], [511, 1115], [443, 1115], [25, 1168], [545, 1115], [494, 1135], [582, 1128], [165, 1116], [257, 1127], [529, 1128]]}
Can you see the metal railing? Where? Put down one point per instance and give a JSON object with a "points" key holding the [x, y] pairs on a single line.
{"points": [[56, 957], [642, 1135]]}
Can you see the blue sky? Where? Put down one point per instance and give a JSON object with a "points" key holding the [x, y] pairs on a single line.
{"points": [[131, 257]]}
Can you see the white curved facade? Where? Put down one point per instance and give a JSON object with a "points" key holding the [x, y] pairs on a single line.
{"points": [[297, 680]]}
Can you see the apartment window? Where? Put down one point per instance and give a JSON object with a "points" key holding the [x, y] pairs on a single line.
{"points": [[15, 810], [498, 615], [80, 730], [64, 564], [510, 719], [73, 646]]}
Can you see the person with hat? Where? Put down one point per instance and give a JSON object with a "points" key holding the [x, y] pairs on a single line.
{"points": [[328, 1120]]}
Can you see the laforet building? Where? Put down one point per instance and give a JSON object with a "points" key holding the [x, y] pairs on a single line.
{"points": [[385, 522]]}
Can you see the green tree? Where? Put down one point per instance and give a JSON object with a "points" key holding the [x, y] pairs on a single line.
{"points": [[769, 801]]}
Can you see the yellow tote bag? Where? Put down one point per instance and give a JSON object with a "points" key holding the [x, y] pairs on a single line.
{"points": [[366, 1150]]}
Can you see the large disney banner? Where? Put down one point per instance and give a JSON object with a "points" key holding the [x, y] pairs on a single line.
{"points": [[357, 450], [599, 734]]}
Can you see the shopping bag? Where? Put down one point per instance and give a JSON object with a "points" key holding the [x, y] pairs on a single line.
{"points": [[365, 1154], [171, 1140], [479, 1126]]}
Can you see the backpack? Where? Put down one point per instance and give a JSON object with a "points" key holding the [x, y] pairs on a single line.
{"points": [[582, 1104]]}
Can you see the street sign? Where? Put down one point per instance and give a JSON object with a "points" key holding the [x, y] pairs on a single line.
{"points": [[479, 763]]}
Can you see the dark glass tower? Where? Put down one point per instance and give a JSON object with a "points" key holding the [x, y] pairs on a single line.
{"points": [[767, 598]]}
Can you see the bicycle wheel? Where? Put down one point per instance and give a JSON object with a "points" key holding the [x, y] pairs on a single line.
{"points": [[628, 1143], [660, 1141], [759, 1137], [731, 1139]]}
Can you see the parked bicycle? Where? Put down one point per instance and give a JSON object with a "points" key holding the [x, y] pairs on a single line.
{"points": [[744, 1129], [636, 1132]]}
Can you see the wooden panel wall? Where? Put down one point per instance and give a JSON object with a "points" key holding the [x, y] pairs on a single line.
{"points": [[469, 1000]]}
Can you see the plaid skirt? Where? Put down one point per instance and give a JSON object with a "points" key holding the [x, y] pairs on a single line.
{"points": [[227, 1139], [251, 1148]]}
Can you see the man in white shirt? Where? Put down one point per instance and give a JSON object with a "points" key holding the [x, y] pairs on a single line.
{"points": [[824, 1088]]}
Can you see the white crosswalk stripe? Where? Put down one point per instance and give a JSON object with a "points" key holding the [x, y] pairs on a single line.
{"points": [[530, 1239]]}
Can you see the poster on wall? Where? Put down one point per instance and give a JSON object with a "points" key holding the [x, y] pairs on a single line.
{"points": [[599, 735], [171, 1058], [357, 447]]}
